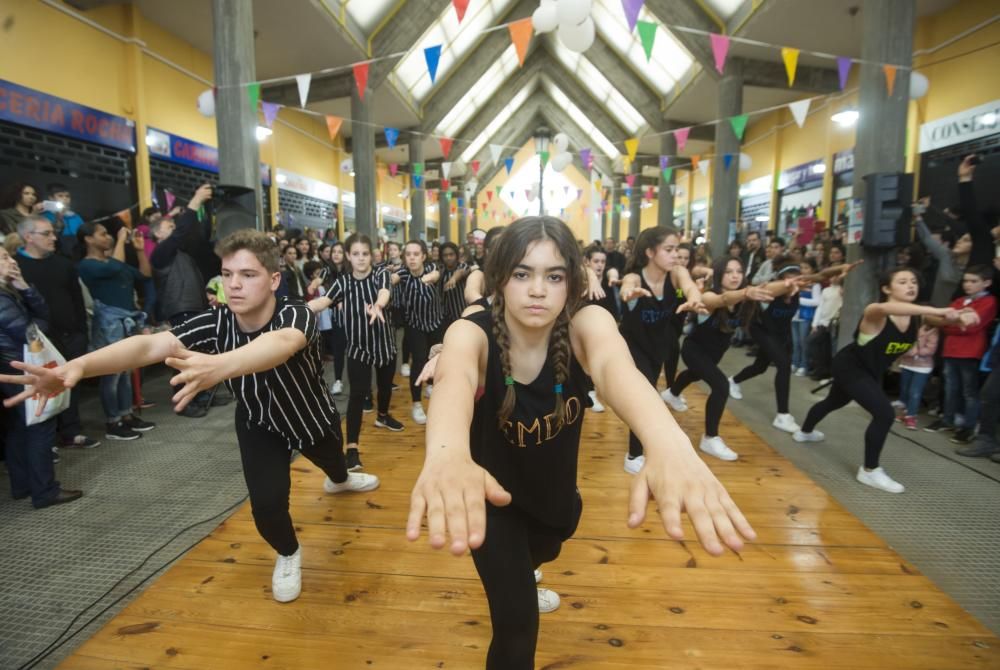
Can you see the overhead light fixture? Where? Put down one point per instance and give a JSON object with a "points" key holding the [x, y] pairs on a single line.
{"points": [[846, 118], [988, 119], [281, 179], [263, 132], [762, 219], [352, 173], [819, 168]]}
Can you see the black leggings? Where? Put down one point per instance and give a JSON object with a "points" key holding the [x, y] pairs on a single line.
{"points": [[516, 544], [771, 348], [650, 369], [335, 341], [673, 353], [359, 376], [852, 383], [266, 458], [704, 365], [419, 345]]}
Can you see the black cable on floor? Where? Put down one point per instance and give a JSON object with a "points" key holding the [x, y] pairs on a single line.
{"points": [[945, 456], [59, 641]]}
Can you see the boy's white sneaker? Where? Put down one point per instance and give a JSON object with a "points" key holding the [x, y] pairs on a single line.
{"points": [[356, 481], [286, 581]]}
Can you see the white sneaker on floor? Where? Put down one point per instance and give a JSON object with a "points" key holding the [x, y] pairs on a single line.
{"points": [[356, 481], [801, 372], [538, 576], [337, 387], [714, 446], [548, 601], [735, 392], [786, 423], [878, 479], [676, 402], [427, 390], [286, 582], [597, 406], [419, 417], [405, 370], [814, 436], [633, 465]]}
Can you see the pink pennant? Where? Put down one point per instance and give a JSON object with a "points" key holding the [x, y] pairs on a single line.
{"points": [[460, 7], [630, 180], [720, 49], [171, 198], [393, 168], [681, 135], [475, 168]]}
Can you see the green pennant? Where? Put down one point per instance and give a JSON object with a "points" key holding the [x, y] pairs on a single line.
{"points": [[253, 90], [499, 190], [418, 169], [545, 158], [739, 124], [668, 174], [647, 34]]}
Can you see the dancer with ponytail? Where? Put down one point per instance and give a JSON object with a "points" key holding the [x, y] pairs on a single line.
{"points": [[887, 330], [505, 424], [650, 297]]}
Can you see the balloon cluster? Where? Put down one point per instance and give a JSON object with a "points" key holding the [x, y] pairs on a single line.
{"points": [[561, 158], [570, 19]]}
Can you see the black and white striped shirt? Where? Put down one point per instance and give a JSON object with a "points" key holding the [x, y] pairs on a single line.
{"points": [[291, 398], [372, 344], [454, 299], [421, 301]]}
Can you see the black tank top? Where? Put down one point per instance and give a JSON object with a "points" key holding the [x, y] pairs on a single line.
{"points": [[647, 322], [533, 457], [708, 333], [877, 355], [679, 319], [777, 318], [608, 301]]}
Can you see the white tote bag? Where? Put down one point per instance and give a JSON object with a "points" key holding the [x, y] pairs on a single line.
{"points": [[40, 351]]}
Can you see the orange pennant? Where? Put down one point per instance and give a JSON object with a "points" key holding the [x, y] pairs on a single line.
{"points": [[694, 162], [520, 35], [126, 217], [333, 124], [890, 78]]}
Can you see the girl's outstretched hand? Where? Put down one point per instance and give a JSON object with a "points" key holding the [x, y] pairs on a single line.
{"points": [[451, 492], [41, 381], [685, 484]]}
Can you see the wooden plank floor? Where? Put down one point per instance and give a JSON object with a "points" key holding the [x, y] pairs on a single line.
{"points": [[817, 590]]}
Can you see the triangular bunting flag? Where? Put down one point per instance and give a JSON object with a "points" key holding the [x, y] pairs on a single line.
{"points": [[508, 163], [632, 8], [695, 160], [890, 78], [393, 168], [460, 7], [303, 81], [446, 171], [720, 49], [727, 160], [544, 156], [703, 167], [253, 90], [432, 55], [418, 169], [739, 124], [270, 112], [489, 196], [333, 125], [631, 146], [445, 184], [475, 168], [418, 179], [597, 186], [673, 189], [664, 162], [579, 193], [647, 35], [484, 207], [791, 58], [445, 143], [171, 199], [126, 216], [843, 69], [630, 180], [391, 136], [520, 35], [361, 78], [799, 109], [681, 135], [565, 190], [499, 189], [668, 174], [495, 151]]}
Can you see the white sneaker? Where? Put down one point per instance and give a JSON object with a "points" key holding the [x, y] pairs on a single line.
{"points": [[898, 404], [786, 423], [676, 402], [633, 465], [801, 372], [597, 406], [548, 601], [405, 370], [337, 387], [714, 446], [538, 576], [814, 436], [418, 415], [427, 390], [878, 479], [356, 481], [286, 582], [735, 392]]}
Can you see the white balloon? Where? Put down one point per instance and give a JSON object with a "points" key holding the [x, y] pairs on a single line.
{"points": [[577, 38], [347, 165], [572, 12], [561, 142], [918, 85], [544, 19], [561, 161], [745, 162], [206, 103]]}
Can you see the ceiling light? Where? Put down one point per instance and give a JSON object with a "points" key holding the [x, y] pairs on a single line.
{"points": [[281, 179], [846, 118], [819, 168], [263, 132], [988, 119]]}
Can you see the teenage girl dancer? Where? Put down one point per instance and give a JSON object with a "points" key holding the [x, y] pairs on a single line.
{"points": [[364, 294], [596, 259], [504, 426], [453, 276], [704, 347], [337, 342], [649, 296], [673, 350], [886, 331]]}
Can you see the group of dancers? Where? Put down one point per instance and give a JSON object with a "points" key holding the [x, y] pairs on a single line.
{"points": [[536, 345]]}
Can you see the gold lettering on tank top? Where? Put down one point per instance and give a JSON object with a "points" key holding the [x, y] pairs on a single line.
{"points": [[893, 348], [542, 429]]}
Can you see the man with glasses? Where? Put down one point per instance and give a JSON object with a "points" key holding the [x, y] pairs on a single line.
{"points": [[55, 277]]}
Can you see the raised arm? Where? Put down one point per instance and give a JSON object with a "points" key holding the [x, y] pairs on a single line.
{"points": [[682, 279], [727, 299], [475, 286]]}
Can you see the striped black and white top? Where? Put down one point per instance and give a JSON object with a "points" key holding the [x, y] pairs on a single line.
{"points": [[454, 299], [371, 344], [421, 301], [289, 399]]}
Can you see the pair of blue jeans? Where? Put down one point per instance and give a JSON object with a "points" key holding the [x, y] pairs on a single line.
{"points": [[800, 332], [911, 389], [116, 395], [29, 457], [961, 386]]}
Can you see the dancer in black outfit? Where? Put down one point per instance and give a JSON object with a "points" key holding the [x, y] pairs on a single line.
{"points": [[452, 282], [649, 295], [886, 331], [506, 428], [685, 258], [708, 342]]}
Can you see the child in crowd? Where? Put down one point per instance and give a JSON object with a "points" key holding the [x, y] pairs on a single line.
{"points": [[809, 297], [915, 368]]}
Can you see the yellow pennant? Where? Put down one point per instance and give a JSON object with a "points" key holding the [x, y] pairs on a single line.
{"points": [[791, 58], [632, 146]]}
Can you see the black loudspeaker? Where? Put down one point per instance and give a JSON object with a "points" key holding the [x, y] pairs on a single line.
{"points": [[235, 208], [887, 210]]}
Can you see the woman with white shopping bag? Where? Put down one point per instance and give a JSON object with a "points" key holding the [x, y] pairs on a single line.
{"points": [[29, 444]]}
